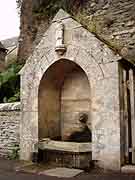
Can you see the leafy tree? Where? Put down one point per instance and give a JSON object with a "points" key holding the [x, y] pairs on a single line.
{"points": [[10, 84]]}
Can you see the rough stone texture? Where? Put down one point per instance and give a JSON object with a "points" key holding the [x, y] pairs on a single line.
{"points": [[70, 159], [100, 65], [9, 127], [67, 154], [114, 22], [106, 119], [111, 20], [65, 146]]}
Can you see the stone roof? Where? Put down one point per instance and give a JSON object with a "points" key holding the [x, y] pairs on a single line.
{"points": [[11, 42], [2, 46]]}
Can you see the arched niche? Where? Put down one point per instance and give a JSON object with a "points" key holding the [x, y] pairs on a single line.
{"points": [[64, 92]]}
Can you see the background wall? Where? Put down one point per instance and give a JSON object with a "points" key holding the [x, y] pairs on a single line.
{"points": [[11, 45], [75, 99], [113, 21], [9, 127]]}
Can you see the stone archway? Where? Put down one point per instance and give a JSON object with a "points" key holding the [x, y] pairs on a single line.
{"points": [[101, 66], [64, 92]]}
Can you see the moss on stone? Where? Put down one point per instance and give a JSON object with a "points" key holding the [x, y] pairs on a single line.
{"points": [[50, 8], [97, 26]]}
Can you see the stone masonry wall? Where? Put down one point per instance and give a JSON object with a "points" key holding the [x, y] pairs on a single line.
{"points": [[111, 20], [9, 127]]}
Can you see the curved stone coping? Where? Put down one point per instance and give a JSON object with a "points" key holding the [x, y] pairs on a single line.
{"points": [[10, 106], [65, 146]]}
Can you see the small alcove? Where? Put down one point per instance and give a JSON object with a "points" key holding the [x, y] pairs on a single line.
{"points": [[64, 92]]}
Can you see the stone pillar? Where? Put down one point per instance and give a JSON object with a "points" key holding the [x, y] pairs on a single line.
{"points": [[29, 118], [106, 118]]}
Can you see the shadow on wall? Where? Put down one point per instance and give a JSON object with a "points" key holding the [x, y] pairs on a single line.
{"points": [[64, 93]]}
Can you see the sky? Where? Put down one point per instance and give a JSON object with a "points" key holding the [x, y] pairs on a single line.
{"points": [[9, 19]]}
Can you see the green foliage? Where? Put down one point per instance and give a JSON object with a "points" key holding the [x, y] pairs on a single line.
{"points": [[10, 84], [49, 8], [10, 59], [15, 152], [15, 98]]}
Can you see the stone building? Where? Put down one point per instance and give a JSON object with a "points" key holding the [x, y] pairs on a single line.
{"points": [[71, 71], [3, 53], [11, 45]]}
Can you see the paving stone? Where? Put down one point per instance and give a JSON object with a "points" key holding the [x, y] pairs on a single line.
{"points": [[62, 172]]}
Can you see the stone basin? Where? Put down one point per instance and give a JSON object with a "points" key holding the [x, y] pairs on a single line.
{"points": [[67, 154], [65, 146]]}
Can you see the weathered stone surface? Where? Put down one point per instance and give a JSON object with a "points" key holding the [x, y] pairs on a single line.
{"points": [[75, 98], [9, 127], [43, 77], [112, 21], [65, 146], [10, 106], [106, 123]]}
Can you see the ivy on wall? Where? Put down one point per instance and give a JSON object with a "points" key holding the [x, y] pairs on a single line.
{"points": [[49, 8]]}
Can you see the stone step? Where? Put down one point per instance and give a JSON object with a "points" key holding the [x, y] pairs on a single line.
{"points": [[128, 169], [62, 172]]}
